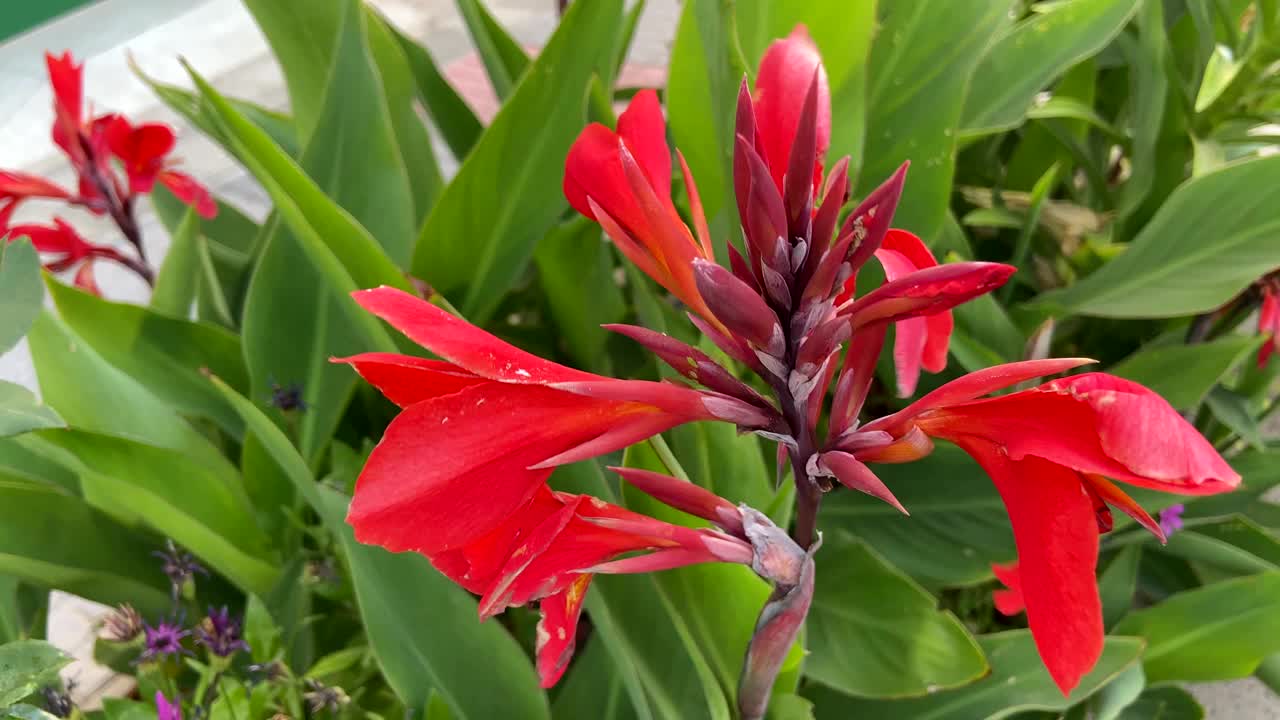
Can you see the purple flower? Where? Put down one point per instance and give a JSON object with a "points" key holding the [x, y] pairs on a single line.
{"points": [[179, 566], [287, 397], [166, 710], [1171, 519], [163, 640], [220, 633], [122, 624]]}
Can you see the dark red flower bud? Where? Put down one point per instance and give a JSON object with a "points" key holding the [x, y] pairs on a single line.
{"points": [[739, 307]]}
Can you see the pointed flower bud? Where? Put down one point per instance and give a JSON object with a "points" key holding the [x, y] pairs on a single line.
{"points": [[739, 308]]}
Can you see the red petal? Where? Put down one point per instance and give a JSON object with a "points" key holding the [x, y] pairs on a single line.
{"points": [[786, 71], [85, 281], [1117, 498], [67, 79], [24, 185], [854, 475], [1008, 602], [644, 130], [684, 496], [460, 342], [927, 291], [1057, 540], [406, 380], [476, 565], [190, 192], [558, 629], [452, 468]]}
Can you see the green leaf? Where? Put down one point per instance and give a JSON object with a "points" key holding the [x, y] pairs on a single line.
{"points": [[302, 36], [576, 268], [593, 687], [923, 57], [956, 530], [1235, 544], [875, 633], [166, 355], [1232, 410], [1172, 268], [176, 283], [192, 107], [1030, 56], [482, 232], [1164, 703], [987, 333], [1218, 632], [23, 711], [1117, 582], [207, 512], [1184, 374], [21, 411], [1118, 694], [418, 621], [24, 665], [666, 673], [91, 394], [53, 539], [1018, 683], [451, 115], [504, 60], [20, 291], [1149, 90]]}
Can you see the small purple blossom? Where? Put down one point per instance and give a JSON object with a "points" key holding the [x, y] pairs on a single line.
{"points": [[122, 624], [220, 633], [180, 567], [287, 397], [163, 640], [166, 710], [1171, 519]]}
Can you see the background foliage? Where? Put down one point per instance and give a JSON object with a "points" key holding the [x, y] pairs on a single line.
{"points": [[1119, 152]]}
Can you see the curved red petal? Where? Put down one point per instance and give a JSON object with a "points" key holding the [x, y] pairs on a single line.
{"points": [[406, 380], [786, 72], [856, 476], [558, 629], [1057, 540], [643, 128], [190, 192], [1010, 601]]}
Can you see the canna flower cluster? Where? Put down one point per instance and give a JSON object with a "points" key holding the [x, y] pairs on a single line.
{"points": [[461, 473], [115, 162]]}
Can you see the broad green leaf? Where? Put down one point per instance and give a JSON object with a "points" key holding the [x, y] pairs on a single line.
{"points": [[1232, 410], [91, 394], [481, 234], [666, 674], [504, 60], [192, 107], [593, 687], [353, 154], [1117, 582], [576, 266], [718, 602], [1058, 107], [1184, 374], [21, 411], [1018, 683], [1218, 632], [957, 528], [1213, 237], [451, 115], [1118, 694], [987, 333], [166, 355], [1029, 57], [20, 291], [1235, 544], [29, 456], [1164, 703], [1269, 673], [53, 539], [24, 666], [23, 711], [177, 281], [207, 512], [417, 620], [875, 633], [302, 35], [1149, 92], [922, 59]]}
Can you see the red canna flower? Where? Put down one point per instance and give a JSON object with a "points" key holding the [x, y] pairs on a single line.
{"points": [[1269, 320], [1008, 601], [67, 80], [788, 66], [143, 152], [1049, 451], [63, 248], [480, 433], [622, 180]]}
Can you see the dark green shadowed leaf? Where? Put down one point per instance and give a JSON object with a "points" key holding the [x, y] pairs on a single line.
{"points": [[1018, 683], [25, 665], [1184, 374], [922, 59], [1214, 236], [1117, 582], [875, 633], [576, 267], [482, 232], [1218, 632], [593, 687], [53, 539], [451, 115], [1232, 410], [956, 530], [20, 291], [1030, 56], [1164, 703], [21, 411], [504, 60]]}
